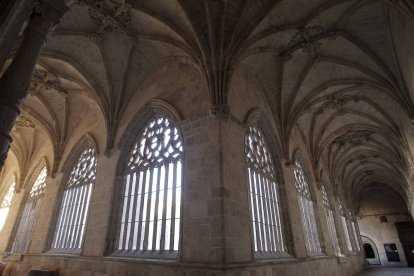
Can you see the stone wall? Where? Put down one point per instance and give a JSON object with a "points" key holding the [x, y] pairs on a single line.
{"points": [[216, 236], [377, 202], [98, 266]]}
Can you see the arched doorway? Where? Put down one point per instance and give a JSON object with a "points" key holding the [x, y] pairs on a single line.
{"points": [[371, 251]]}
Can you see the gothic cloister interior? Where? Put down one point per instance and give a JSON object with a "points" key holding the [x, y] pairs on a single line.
{"points": [[206, 137]]}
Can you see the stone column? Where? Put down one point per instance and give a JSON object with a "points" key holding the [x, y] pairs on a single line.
{"points": [[216, 226], [12, 18], [98, 220], [16, 80]]}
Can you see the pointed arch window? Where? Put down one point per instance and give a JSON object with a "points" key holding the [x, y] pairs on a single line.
{"points": [[307, 210], [150, 213], [264, 195], [29, 214], [6, 202], [74, 206], [331, 222]]}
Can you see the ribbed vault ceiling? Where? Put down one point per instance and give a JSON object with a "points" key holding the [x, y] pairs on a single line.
{"points": [[335, 71]]}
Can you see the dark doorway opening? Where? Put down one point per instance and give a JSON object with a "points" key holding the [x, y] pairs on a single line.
{"points": [[369, 251]]}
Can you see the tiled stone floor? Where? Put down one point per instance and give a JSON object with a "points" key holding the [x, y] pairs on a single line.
{"points": [[388, 271]]}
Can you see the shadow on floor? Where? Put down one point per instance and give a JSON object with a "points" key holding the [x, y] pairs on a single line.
{"points": [[387, 271]]}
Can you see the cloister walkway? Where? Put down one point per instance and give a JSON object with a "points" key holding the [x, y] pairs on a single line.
{"points": [[388, 271]]}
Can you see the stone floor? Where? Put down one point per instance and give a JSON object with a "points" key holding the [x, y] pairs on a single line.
{"points": [[388, 271]]}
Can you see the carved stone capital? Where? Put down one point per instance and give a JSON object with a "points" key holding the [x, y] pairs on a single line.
{"points": [[288, 163], [46, 16], [220, 111]]}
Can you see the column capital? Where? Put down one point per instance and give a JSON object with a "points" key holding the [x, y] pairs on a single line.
{"points": [[47, 15], [220, 111]]}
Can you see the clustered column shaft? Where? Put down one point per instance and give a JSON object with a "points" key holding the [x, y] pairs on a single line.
{"points": [[16, 79]]}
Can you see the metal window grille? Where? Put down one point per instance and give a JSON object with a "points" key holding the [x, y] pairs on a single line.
{"points": [[268, 236], [331, 222], [70, 227], [31, 209], [307, 211], [151, 195]]}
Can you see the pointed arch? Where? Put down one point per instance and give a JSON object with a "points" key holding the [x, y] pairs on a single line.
{"points": [[307, 205], [146, 218], [29, 211], [69, 220], [271, 233]]}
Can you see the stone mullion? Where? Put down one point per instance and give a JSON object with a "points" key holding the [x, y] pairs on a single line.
{"points": [[141, 208], [134, 198], [173, 202], [272, 215], [266, 213], [148, 210], [164, 211], [82, 212], [157, 203], [261, 212], [278, 238], [126, 207], [65, 218], [253, 218], [255, 195], [132, 209]]}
